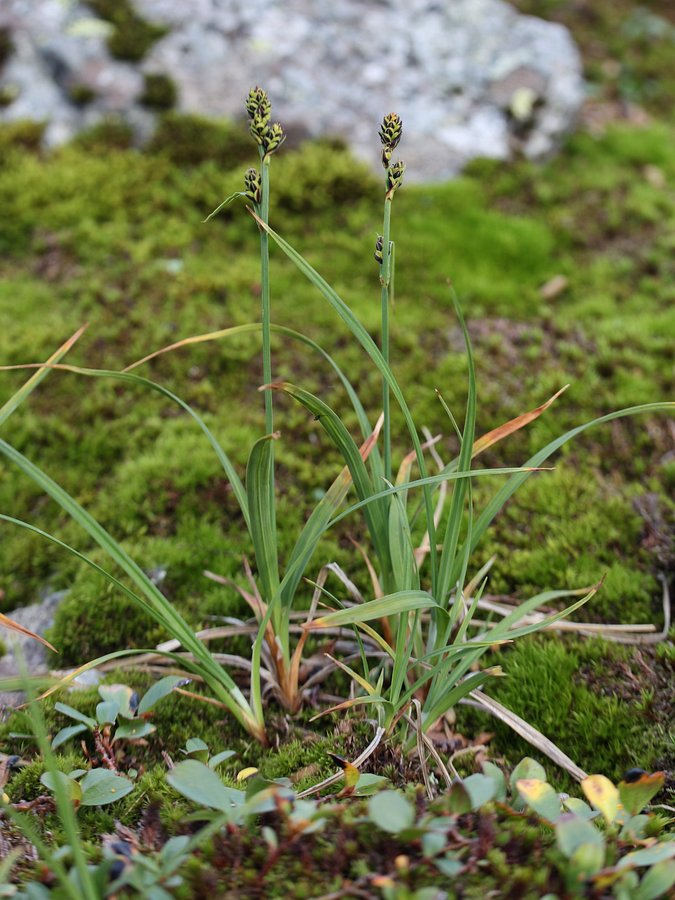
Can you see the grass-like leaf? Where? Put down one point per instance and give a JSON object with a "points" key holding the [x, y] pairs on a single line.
{"points": [[391, 605]]}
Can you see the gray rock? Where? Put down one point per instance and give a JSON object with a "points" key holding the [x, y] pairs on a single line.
{"points": [[37, 618], [469, 77]]}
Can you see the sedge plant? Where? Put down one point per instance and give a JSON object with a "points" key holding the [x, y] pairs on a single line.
{"points": [[416, 636]]}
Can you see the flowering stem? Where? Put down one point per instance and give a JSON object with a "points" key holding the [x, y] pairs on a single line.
{"points": [[266, 342], [265, 292], [385, 278]]}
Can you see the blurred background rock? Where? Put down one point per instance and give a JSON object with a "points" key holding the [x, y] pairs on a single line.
{"points": [[471, 78]]}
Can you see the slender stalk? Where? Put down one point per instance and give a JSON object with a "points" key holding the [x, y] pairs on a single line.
{"points": [[267, 322], [385, 278], [265, 291]]}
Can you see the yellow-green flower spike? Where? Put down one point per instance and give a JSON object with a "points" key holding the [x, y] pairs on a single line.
{"points": [[391, 130], [273, 138], [253, 185], [395, 177], [259, 127], [258, 104]]}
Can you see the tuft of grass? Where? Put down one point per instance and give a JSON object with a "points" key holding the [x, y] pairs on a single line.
{"points": [[57, 241]]}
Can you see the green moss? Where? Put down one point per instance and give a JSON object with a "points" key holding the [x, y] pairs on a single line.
{"points": [[23, 135], [565, 531], [8, 94], [25, 784], [111, 134], [81, 94], [132, 36], [189, 140], [321, 176], [574, 693], [159, 91], [6, 45]]}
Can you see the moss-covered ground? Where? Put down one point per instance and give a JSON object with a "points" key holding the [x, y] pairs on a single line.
{"points": [[101, 233]]}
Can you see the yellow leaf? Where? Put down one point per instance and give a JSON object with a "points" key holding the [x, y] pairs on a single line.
{"points": [[602, 794], [540, 797], [246, 773], [350, 772], [532, 788]]}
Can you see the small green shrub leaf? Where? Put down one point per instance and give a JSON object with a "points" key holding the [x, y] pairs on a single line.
{"points": [[635, 828], [481, 789], [66, 734], [580, 808], [106, 712], [219, 758], [71, 786], [587, 859], [200, 784], [495, 773], [433, 842], [75, 714], [572, 832], [657, 881], [527, 768], [157, 692], [196, 748], [649, 856], [100, 787], [391, 811], [133, 729], [368, 784], [459, 799], [540, 797], [449, 866], [122, 695]]}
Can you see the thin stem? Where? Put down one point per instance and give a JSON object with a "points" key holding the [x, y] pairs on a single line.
{"points": [[267, 361], [385, 278], [265, 292]]}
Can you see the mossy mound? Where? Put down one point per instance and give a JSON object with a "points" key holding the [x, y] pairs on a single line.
{"points": [[132, 35]]}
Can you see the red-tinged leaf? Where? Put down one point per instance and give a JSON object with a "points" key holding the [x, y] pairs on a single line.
{"points": [[502, 431], [14, 626], [636, 793]]}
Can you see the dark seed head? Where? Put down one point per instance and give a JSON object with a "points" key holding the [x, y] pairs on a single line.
{"points": [[391, 130], [273, 138], [395, 176], [116, 869], [122, 848], [253, 186], [379, 246], [633, 775]]}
